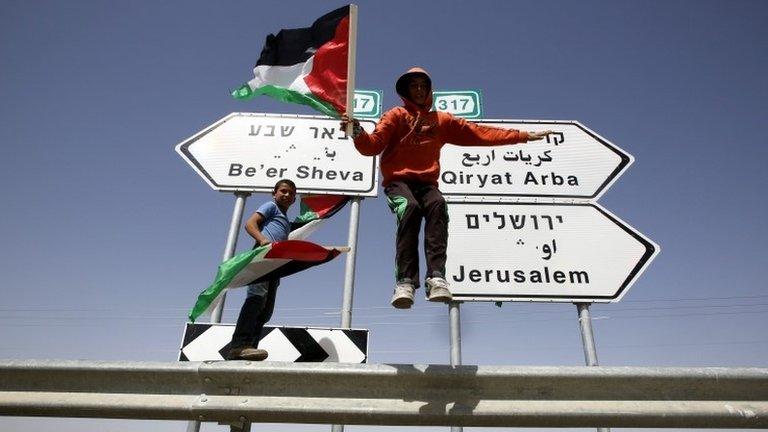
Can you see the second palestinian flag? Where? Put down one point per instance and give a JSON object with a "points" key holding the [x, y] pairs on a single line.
{"points": [[271, 261], [306, 66]]}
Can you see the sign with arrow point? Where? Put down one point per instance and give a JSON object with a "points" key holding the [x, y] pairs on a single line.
{"points": [[542, 252], [250, 152], [572, 163]]}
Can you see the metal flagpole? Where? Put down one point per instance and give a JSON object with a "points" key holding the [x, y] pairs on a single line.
{"points": [[229, 252], [454, 313], [351, 60], [588, 340]]}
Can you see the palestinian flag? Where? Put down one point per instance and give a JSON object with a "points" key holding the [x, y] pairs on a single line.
{"points": [[306, 66], [315, 208], [274, 260]]}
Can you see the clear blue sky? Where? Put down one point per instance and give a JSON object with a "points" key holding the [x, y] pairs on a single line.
{"points": [[107, 236]]}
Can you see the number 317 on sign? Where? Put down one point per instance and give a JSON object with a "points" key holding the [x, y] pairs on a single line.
{"points": [[464, 103]]}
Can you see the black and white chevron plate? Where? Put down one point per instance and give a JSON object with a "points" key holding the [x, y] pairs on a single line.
{"points": [[210, 341]]}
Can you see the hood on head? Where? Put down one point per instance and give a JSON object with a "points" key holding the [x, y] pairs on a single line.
{"points": [[401, 86]]}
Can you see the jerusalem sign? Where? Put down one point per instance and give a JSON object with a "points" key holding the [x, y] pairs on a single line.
{"points": [[572, 163], [542, 252], [250, 152]]}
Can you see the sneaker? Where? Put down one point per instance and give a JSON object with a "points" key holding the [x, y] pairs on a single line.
{"points": [[437, 288], [403, 297], [247, 353]]}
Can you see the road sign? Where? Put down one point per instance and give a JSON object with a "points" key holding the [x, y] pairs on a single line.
{"points": [[250, 152], [367, 104], [542, 252], [573, 163], [461, 103], [204, 342]]}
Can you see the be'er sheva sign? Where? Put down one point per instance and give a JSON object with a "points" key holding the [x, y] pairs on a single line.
{"points": [[247, 151]]}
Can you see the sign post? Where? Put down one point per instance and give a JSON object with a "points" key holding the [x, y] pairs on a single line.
{"points": [[229, 249], [525, 225], [249, 152]]}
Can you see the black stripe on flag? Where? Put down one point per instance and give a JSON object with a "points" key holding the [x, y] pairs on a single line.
{"points": [[292, 46], [310, 350]]}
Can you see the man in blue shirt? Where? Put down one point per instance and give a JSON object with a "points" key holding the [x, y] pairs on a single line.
{"points": [[268, 224]]}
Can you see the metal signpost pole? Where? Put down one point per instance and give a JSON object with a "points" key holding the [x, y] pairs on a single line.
{"points": [[349, 271], [229, 252], [454, 313], [588, 340], [349, 274]]}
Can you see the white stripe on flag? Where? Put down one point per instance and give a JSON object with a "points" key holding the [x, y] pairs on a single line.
{"points": [[260, 268], [306, 230], [290, 77]]}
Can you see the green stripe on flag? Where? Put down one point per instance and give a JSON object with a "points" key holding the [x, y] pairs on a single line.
{"points": [[283, 94], [306, 214], [227, 271]]}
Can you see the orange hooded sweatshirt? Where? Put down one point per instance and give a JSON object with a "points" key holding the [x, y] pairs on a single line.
{"points": [[409, 138]]}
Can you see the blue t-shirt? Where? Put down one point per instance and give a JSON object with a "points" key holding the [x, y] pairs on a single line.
{"points": [[276, 226]]}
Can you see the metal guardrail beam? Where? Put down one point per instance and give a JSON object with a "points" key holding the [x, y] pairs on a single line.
{"points": [[379, 394]]}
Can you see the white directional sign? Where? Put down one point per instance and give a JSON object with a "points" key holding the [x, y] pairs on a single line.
{"points": [[204, 342], [573, 163], [367, 103], [250, 152], [461, 103], [542, 252]]}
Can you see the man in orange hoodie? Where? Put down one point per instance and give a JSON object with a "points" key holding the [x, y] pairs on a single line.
{"points": [[409, 139]]}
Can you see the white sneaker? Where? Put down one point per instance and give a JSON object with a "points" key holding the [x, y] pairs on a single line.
{"points": [[437, 289], [403, 297]]}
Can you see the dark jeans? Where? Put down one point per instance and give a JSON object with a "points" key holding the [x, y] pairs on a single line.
{"points": [[256, 311], [412, 202]]}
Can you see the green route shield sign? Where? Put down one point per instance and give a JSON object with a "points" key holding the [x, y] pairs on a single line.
{"points": [[461, 103], [367, 103]]}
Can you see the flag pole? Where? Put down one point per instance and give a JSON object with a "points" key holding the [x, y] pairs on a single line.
{"points": [[351, 59], [349, 276]]}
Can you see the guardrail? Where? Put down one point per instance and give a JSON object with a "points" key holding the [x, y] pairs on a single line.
{"points": [[381, 394]]}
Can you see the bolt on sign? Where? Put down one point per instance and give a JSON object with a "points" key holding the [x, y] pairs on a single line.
{"points": [[572, 163], [250, 152], [542, 252], [461, 103]]}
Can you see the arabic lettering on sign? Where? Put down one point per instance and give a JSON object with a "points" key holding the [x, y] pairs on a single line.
{"points": [[521, 155], [571, 162]]}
